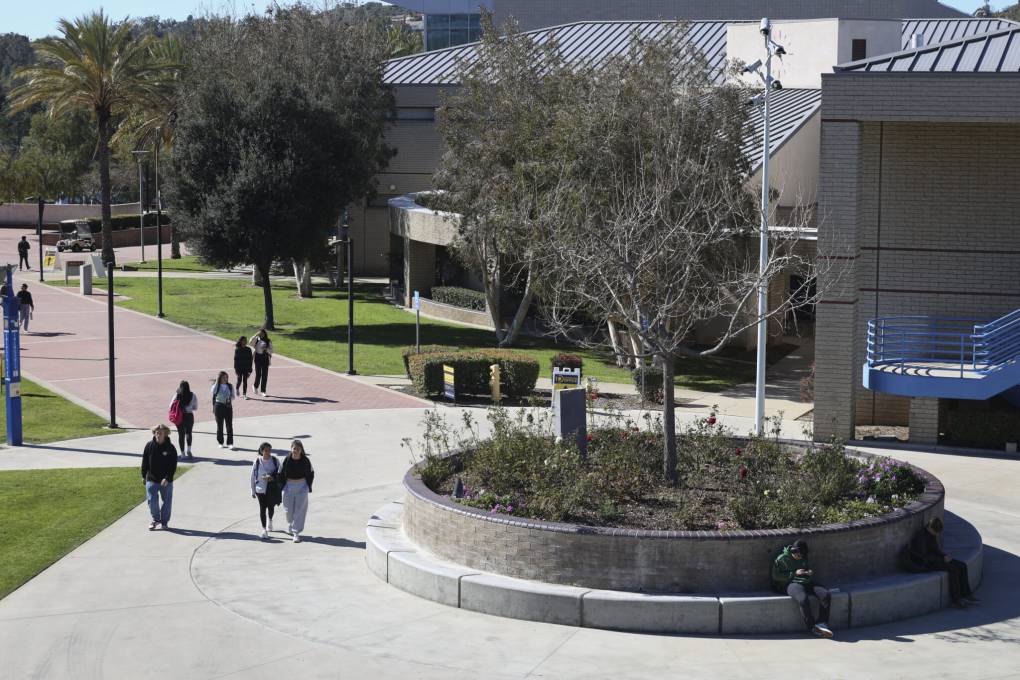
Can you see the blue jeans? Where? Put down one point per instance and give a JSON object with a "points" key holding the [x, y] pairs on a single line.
{"points": [[153, 493]]}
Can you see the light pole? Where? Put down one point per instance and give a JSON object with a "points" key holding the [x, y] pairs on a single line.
{"points": [[159, 232], [345, 235], [141, 203], [38, 233], [772, 49], [109, 321]]}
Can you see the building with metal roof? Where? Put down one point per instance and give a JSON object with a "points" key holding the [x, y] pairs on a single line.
{"points": [[919, 326]]}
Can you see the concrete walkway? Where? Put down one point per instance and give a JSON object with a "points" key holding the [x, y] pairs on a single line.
{"points": [[207, 600]]}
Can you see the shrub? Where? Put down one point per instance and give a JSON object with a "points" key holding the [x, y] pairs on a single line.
{"points": [[807, 386], [563, 360], [648, 381], [411, 350], [518, 372], [460, 297], [119, 222]]}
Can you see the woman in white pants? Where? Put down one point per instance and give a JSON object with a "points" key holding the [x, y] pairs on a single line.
{"points": [[297, 475]]}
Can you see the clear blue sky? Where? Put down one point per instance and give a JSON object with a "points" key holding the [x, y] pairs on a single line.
{"points": [[36, 18]]}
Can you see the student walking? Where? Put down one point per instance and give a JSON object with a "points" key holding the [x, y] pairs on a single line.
{"points": [[159, 463], [297, 474], [183, 405], [262, 348], [792, 574], [223, 408], [242, 365], [265, 487], [926, 553], [27, 308], [23, 246]]}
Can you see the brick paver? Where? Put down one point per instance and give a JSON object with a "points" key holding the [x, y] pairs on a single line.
{"points": [[67, 350]]}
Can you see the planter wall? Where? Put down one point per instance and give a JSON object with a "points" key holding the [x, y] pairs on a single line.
{"points": [[121, 237], [707, 562]]}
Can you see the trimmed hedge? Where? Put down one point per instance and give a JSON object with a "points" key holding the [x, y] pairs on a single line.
{"points": [[518, 372], [411, 350], [460, 297], [119, 222], [648, 381]]}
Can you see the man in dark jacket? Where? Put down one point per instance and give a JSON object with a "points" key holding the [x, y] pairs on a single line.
{"points": [[23, 247], [792, 574], [926, 554], [159, 463]]}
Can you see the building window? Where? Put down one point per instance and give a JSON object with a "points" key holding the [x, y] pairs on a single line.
{"points": [[858, 49], [450, 30]]}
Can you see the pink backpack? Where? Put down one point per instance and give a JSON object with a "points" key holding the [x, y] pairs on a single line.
{"points": [[176, 414]]}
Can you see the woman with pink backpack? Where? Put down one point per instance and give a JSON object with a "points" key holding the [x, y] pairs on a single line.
{"points": [[183, 405]]}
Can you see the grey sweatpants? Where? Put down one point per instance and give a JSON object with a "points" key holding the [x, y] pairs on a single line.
{"points": [[295, 503]]}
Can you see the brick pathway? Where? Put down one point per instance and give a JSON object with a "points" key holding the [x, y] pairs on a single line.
{"points": [[67, 351]]}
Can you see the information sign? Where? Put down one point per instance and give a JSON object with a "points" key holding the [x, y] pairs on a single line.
{"points": [[449, 388]]}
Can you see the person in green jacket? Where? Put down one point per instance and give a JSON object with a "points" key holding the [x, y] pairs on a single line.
{"points": [[792, 574]]}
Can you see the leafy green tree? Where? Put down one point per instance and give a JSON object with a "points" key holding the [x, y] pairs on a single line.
{"points": [[96, 65], [280, 127], [55, 158]]}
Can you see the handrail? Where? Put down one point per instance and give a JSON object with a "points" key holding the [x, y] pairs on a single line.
{"points": [[959, 344]]}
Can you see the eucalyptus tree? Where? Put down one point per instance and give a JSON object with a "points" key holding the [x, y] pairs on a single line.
{"points": [[97, 65]]}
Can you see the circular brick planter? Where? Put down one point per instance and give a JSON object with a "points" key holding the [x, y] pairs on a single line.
{"points": [[690, 562]]}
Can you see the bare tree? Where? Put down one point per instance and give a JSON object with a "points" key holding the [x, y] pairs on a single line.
{"points": [[651, 224], [497, 170]]}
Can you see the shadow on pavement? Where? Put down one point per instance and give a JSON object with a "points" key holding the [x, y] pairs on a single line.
{"points": [[275, 537], [336, 542]]}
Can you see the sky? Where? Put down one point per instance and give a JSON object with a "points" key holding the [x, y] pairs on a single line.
{"points": [[36, 18]]}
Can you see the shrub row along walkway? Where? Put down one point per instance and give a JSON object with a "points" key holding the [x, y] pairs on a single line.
{"points": [[67, 352]]}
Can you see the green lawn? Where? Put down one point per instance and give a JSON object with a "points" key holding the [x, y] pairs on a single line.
{"points": [[188, 263], [315, 330], [48, 513], [48, 417]]}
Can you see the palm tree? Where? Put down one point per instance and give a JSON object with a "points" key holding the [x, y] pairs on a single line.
{"points": [[98, 65], [153, 120]]}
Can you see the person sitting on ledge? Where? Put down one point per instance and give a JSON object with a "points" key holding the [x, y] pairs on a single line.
{"points": [[926, 553], [792, 574]]}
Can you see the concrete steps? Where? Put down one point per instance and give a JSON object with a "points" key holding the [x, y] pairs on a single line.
{"points": [[399, 562]]}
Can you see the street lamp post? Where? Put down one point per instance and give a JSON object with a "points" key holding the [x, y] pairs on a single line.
{"points": [[109, 321], [159, 232], [141, 202], [38, 233], [345, 233], [772, 49]]}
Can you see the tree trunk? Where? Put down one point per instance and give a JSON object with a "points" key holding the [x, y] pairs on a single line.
{"points": [[103, 119], [522, 313], [493, 288], [267, 298], [256, 275], [175, 243], [303, 277], [668, 420]]}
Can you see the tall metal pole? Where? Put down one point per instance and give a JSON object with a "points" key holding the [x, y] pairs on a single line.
{"points": [[38, 233], [763, 249], [159, 234], [350, 306], [109, 319], [12, 361]]}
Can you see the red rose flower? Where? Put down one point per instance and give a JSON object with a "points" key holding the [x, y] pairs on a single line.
{"points": [[589, 437], [711, 420], [738, 451]]}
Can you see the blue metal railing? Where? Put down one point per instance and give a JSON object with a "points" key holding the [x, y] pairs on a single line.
{"points": [[957, 344]]}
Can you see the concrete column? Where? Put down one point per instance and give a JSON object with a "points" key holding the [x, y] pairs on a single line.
{"points": [[837, 345], [419, 269], [924, 420]]}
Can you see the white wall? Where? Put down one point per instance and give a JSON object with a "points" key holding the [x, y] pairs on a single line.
{"points": [[813, 47], [793, 170], [26, 214]]}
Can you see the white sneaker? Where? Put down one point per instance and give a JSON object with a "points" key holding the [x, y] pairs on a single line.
{"points": [[290, 528], [269, 525], [230, 446], [263, 394], [265, 534], [245, 397], [297, 537], [222, 446], [822, 630]]}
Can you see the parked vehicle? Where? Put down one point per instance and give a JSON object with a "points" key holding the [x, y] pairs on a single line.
{"points": [[75, 236]]}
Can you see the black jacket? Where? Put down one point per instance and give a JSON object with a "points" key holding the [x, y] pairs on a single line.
{"points": [[159, 461], [925, 550], [25, 298], [297, 469], [242, 359], [23, 247]]}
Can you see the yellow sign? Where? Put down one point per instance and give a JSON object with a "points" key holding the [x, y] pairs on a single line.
{"points": [[449, 389]]}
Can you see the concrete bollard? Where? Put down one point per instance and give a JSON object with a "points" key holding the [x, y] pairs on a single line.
{"points": [[497, 395], [85, 279]]}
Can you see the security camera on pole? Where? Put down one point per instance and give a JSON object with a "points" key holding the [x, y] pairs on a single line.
{"points": [[772, 49]]}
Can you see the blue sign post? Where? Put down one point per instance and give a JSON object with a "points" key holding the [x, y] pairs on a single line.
{"points": [[12, 361]]}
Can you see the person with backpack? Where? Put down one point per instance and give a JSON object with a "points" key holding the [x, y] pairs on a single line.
{"points": [[23, 246], [26, 306], [265, 487], [792, 574], [183, 405], [242, 365], [159, 463], [262, 349], [223, 409], [297, 475], [926, 554]]}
